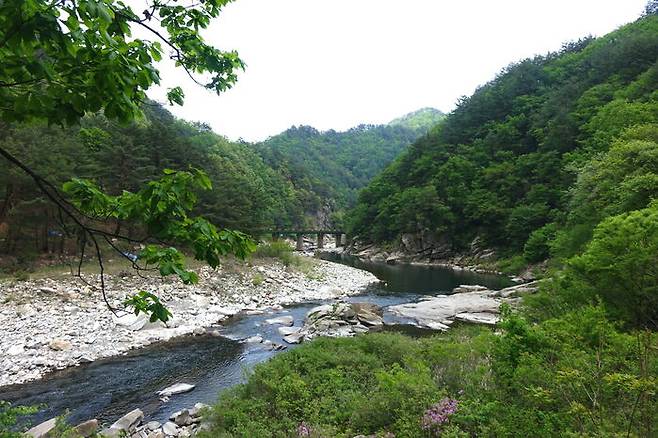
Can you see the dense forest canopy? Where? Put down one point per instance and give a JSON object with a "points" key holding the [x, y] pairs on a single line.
{"points": [[256, 187], [328, 168], [534, 158]]}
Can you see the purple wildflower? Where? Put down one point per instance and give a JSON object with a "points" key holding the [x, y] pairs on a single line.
{"points": [[303, 430], [439, 414]]}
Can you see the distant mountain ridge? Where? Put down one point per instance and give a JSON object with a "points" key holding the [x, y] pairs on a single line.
{"points": [[328, 168], [423, 118]]}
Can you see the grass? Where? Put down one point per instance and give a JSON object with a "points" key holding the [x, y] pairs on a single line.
{"points": [[283, 252]]}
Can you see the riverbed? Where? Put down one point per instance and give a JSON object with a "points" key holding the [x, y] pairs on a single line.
{"points": [[220, 359]]}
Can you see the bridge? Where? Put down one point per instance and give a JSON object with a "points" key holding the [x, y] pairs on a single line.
{"points": [[299, 234]]}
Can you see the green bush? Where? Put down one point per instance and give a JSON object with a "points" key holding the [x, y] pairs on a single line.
{"points": [[277, 249], [512, 265], [371, 384], [9, 416], [620, 265], [537, 248], [575, 375]]}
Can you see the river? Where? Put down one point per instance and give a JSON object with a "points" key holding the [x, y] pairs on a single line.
{"points": [[106, 389]]}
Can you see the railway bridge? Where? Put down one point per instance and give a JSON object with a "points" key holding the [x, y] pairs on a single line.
{"points": [[300, 233]]}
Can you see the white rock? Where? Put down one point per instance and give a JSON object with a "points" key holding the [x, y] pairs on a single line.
{"points": [[153, 425], [170, 429], [281, 320], [132, 322], [178, 388], [478, 318], [15, 350], [257, 339], [285, 331], [125, 424], [198, 331], [294, 338], [59, 345], [432, 313], [181, 418]]}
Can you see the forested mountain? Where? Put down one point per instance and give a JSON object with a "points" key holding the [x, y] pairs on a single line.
{"points": [[535, 158], [328, 168], [248, 193], [421, 119]]}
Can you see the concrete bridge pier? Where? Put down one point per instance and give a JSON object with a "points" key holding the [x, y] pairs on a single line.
{"points": [[300, 242], [320, 240], [339, 240]]}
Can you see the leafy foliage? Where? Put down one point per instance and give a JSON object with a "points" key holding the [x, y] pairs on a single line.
{"points": [[8, 418], [328, 168], [146, 302], [575, 375], [502, 165], [620, 265], [62, 59]]}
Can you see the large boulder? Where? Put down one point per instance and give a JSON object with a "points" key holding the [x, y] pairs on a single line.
{"points": [[286, 320], [124, 425], [437, 313], [368, 314], [337, 320], [42, 430]]}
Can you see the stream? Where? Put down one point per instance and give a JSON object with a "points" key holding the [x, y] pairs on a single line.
{"points": [[109, 388]]}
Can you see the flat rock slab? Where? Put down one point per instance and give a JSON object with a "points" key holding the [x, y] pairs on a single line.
{"points": [[178, 388], [478, 318], [285, 331], [433, 313], [128, 421], [42, 430], [294, 338], [281, 320]]}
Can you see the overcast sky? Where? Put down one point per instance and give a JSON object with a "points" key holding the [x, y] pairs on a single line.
{"points": [[334, 64]]}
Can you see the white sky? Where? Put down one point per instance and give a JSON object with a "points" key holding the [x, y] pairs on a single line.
{"points": [[333, 64]]}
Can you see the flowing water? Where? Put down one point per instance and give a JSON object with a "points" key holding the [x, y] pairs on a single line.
{"points": [[107, 389]]}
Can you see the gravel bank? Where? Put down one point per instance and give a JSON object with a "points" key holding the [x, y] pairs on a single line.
{"points": [[51, 324]]}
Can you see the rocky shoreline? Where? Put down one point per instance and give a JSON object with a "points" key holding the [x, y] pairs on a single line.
{"points": [[51, 324], [422, 251], [467, 303]]}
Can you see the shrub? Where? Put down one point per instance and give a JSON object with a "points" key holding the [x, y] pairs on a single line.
{"points": [[8, 417], [537, 248], [375, 383], [620, 265]]}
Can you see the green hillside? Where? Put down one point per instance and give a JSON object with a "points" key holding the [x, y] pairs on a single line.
{"points": [[247, 194], [535, 158], [301, 174], [328, 168], [420, 119]]}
